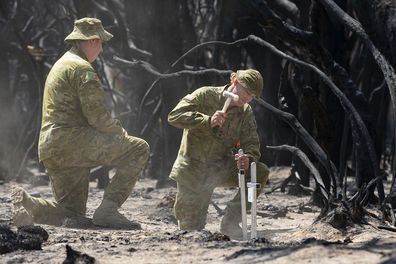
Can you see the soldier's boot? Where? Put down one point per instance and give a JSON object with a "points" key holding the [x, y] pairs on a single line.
{"points": [[230, 225], [107, 215], [23, 207]]}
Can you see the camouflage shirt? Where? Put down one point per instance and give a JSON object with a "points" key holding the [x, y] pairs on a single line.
{"points": [[73, 99], [205, 145]]}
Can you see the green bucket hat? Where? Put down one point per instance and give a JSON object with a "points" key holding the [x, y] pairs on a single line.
{"points": [[88, 28], [251, 80]]}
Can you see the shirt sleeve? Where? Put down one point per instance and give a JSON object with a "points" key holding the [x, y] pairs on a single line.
{"points": [[249, 139], [92, 99], [186, 114]]}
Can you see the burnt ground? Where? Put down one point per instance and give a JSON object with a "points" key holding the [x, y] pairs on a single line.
{"points": [[286, 228]]}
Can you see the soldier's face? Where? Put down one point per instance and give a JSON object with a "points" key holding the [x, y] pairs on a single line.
{"points": [[93, 49], [97, 47], [244, 95]]}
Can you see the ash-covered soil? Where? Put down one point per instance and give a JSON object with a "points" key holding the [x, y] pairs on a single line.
{"points": [[286, 228]]}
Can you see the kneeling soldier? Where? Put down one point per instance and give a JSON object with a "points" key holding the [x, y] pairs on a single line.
{"points": [[205, 159], [78, 133]]}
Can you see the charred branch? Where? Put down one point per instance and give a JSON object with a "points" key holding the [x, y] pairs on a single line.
{"points": [[301, 155], [149, 68], [306, 44], [307, 138], [389, 73], [346, 104], [308, 48]]}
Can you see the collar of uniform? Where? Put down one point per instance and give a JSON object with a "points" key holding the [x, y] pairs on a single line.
{"points": [[78, 52]]}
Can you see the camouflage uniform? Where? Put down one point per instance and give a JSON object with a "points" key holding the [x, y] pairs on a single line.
{"points": [[77, 134], [205, 159]]}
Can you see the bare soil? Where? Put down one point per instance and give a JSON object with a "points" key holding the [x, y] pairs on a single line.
{"points": [[286, 227]]}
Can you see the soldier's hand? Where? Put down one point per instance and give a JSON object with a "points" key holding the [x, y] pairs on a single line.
{"points": [[218, 119], [242, 161]]}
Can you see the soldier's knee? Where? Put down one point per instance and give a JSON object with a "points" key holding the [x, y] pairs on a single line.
{"points": [[144, 149], [139, 149]]}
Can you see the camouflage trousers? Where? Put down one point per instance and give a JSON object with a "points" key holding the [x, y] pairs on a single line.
{"points": [[69, 170], [192, 202]]}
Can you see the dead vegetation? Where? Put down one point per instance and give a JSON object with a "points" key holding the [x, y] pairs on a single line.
{"points": [[329, 101]]}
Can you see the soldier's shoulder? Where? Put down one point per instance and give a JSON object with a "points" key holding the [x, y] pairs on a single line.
{"points": [[75, 62], [209, 90], [74, 67]]}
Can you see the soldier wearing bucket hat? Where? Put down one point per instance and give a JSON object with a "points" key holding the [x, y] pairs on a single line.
{"points": [[205, 159], [78, 133], [88, 28]]}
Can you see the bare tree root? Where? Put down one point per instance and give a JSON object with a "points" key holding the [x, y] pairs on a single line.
{"points": [[341, 214], [338, 213]]}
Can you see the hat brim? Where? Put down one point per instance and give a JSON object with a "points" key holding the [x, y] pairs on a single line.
{"points": [[78, 35]]}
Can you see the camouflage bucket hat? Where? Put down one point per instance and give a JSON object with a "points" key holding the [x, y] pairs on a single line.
{"points": [[88, 28], [251, 80]]}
